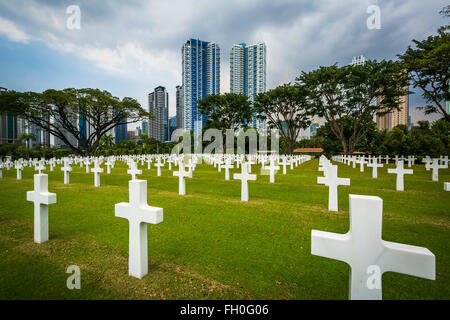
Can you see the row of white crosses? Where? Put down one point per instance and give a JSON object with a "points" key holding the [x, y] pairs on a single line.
{"points": [[331, 180], [400, 171], [365, 232], [362, 247]]}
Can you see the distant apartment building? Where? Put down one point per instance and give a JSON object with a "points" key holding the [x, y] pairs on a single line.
{"points": [[121, 132], [201, 77], [358, 60], [248, 73], [179, 106], [145, 127], [158, 106], [394, 117]]}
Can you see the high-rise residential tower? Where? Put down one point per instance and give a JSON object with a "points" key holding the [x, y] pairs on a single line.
{"points": [[394, 117], [158, 105], [179, 103], [201, 77], [248, 73]]}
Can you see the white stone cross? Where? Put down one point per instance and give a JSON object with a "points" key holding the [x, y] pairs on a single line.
{"points": [[400, 171], [138, 213], [284, 163], [411, 160], [133, 170], [435, 166], [40, 166], [227, 166], [108, 166], [19, 169], [181, 174], [66, 168], [332, 181], [367, 254], [244, 176], [96, 170], [159, 165], [361, 162], [86, 163], [41, 198], [375, 165], [272, 169]]}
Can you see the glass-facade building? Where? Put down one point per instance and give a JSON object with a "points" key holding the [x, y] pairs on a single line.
{"points": [[201, 77], [158, 106], [248, 73]]}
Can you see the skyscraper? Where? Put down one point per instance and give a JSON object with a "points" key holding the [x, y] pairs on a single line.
{"points": [[358, 60], [179, 99], [395, 117], [158, 105], [248, 73], [201, 77], [11, 126]]}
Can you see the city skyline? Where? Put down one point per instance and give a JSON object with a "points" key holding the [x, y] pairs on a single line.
{"points": [[39, 52]]}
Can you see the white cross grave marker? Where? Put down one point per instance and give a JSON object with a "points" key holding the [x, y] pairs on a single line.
{"points": [[244, 176], [400, 171], [332, 181], [133, 170], [181, 174], [363, 249], [227, 166], [375, 165], [96, 170], [138, 213], [66, 170], [159, 165], [41, 198]]}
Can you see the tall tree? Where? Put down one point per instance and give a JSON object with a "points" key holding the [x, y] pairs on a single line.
{"points": [[79, 117], [226, 111], [285, 108], [359, 92], [429, 67]]}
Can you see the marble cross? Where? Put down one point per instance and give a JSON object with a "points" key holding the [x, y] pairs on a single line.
{"points": [[66, 168], [400, 171], [138, 213], [159, 165], [227, 166], [375, 165], [41, 198], [181, 174], [133, 170], [40, 166], [19, 169], [272, 169], [435, 166], [367, 254], [332, 181], [96, 170], [244, 176]]}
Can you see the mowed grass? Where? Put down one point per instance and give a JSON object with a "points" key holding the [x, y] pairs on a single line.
{"points": [[210, 244]]}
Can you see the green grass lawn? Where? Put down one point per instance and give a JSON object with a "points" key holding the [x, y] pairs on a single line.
{"points": [[210, 244]]}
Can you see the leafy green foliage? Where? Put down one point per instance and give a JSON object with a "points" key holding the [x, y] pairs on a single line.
{"points": [[287, 109], [428, 64], [226, 111], [60, 112], [357, 92]]}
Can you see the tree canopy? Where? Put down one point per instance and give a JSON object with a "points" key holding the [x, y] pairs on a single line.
{"points": [[356, 91], [287, 109], [79, 117], [428, 64], [226, 111]]}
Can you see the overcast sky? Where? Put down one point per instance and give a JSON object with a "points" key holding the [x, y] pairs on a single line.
{"points": [[131, 47]]}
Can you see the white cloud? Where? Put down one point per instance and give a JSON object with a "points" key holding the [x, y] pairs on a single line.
{"points": [[13, 33]]}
